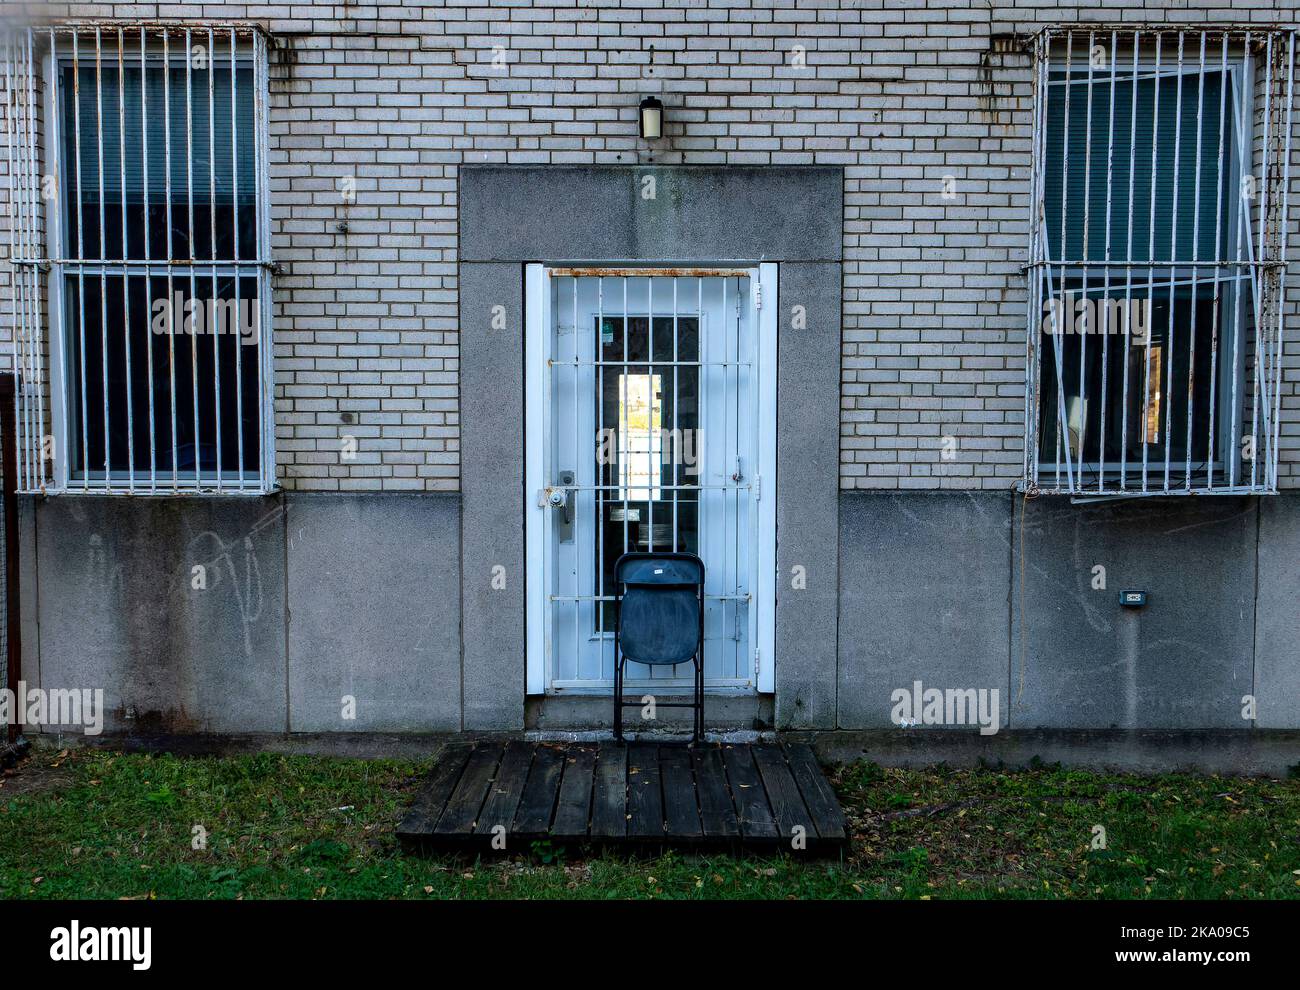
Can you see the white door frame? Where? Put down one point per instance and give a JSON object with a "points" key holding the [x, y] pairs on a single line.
{"points": [[538, 519]]}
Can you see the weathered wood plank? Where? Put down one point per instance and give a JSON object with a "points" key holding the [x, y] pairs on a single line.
{"points": [[645, 805], [752, 810], [573, 811], [681, 808], [537, 805], [717, 813], [643, 794], [503, 796], [432, 796], [467, 799], [609, 802], [820, 799], [783, 793]]}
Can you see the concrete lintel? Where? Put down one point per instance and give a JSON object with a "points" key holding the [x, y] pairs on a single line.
{"points": [[653, 213]]}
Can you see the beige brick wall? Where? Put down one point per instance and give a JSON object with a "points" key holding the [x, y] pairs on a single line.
{"points": [[899, 93]]}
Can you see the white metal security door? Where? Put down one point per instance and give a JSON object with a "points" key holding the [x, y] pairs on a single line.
{"points": [[651, 414]]}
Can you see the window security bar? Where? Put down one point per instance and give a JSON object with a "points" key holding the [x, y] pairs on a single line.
{"points": [[657, 486], [614, 598], [140, 238], [26, 278], [658, 364], [1157, 263]]}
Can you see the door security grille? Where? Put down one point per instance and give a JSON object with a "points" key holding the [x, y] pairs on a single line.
{"points": [[650, 412]]}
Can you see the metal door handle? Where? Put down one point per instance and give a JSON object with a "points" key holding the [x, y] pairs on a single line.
{"points": [[566, 479]]}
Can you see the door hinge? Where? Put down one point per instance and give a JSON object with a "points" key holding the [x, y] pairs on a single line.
{"points": [[758, 653], [758, 487], [758, 295]]}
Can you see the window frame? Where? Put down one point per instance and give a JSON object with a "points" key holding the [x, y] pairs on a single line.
{"points": [[250, 52], [1240, 106]]}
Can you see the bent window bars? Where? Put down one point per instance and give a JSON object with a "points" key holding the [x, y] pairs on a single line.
{"points": [[1157, 261]]}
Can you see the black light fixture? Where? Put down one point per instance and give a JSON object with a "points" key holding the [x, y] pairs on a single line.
{"points": [[652, 119]]}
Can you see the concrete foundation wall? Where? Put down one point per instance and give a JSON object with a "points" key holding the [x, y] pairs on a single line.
{"points": [[296, 613], [341, 614], [1277, 613], [374, 613], [175, 608], [923, 596], [992, 591]]}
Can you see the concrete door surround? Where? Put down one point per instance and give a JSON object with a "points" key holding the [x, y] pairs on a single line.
{"points": [[512, 215]]}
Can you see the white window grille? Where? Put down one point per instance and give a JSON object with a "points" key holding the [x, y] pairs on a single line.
{"points": [[140, 257], [1157, 260]]}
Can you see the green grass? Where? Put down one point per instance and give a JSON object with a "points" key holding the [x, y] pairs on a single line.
{"points": [[98, 824]]}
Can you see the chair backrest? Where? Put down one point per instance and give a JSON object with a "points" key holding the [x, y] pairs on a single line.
{"points": [[661, 606]]}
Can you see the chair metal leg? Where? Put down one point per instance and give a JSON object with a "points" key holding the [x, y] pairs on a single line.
{"points": [[695, 703], [618, 699], [701, 699], [697, 706], [699, 710]]}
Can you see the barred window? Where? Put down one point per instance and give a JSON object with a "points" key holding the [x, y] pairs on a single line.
{"points": [[137, 158], [1157, 256]]}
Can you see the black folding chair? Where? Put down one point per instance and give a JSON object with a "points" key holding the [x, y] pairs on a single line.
{"points": [[659, 599]]}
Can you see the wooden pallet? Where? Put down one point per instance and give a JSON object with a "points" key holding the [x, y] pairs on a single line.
{"points": [[503, 796]]}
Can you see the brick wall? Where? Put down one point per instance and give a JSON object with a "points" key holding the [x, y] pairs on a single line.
{"points": [[900, 94]]}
